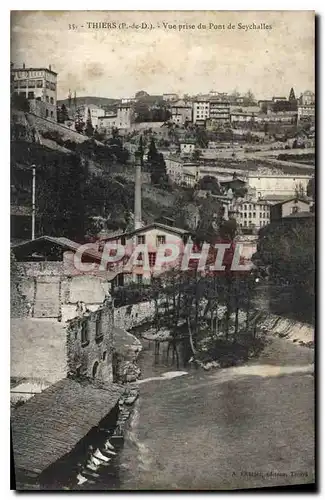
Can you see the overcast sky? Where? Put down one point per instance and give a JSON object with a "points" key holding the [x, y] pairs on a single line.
{"points": [[118, 63]]}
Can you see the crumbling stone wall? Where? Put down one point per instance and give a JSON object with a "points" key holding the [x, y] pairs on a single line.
{"points": [[91, 358]]}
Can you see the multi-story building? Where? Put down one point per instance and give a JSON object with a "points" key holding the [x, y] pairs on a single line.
{"points": [[121, 119], [219, 111], [170, 97], [152, 236], [307, 98], [181, 112], [201, 110], [251, 214], [280, 185], [306, 112], [39, 86]]}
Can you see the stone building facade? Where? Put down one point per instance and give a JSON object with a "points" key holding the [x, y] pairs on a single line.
{"points": [[90, 344]]}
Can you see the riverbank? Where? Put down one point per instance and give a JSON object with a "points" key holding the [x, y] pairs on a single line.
{"points": [[242, 427]]}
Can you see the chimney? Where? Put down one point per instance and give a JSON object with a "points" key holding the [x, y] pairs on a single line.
{"points": [[137, 191], [23, 65], [50, 67]]}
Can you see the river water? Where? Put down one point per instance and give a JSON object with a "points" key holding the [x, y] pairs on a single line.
{"points": [[241, 427]]}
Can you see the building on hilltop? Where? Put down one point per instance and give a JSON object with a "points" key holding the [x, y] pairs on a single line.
{"points": [[201, 110], [121, 119], [39, 86]]}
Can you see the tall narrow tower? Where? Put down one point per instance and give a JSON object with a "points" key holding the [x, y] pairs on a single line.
{"points": [[137, 191]]}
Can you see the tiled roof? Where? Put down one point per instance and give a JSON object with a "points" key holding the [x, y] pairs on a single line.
{"points": [[63, 243], [164, 227], [50, 424]]}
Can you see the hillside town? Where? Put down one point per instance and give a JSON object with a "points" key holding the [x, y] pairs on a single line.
{"points": [[93, 330]]}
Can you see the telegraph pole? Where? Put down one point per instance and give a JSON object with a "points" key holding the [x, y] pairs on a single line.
{"points": [[33, 200]]}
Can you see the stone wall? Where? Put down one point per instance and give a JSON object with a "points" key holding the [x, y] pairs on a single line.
{"points": [[86, 288], [91, 357], [128, 317]]}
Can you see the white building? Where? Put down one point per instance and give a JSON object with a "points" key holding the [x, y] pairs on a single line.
{"points": [[219, 111], [95, 113], [170, 97], [283, 185], [39, 86], [187, 147], [201, 110], [251, 214], [306, 112], [307, 98]]}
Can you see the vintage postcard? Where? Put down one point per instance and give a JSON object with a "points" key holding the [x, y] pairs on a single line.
{"points": [[162, 250]]}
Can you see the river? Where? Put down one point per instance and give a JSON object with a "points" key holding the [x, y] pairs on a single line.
{"points": [[241, 427]]}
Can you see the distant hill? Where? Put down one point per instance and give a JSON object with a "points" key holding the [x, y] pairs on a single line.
{"points": [[97, 101]]}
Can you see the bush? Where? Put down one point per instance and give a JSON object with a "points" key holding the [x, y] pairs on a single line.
{"points": [[54, 135]]}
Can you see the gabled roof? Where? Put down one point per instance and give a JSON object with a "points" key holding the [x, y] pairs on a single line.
{"points": [[64, 243], [163, 227], [293, 198], [50, 424]]}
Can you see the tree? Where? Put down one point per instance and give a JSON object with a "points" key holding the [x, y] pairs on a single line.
{"points": [[209, 183], [288, 252], [152, 153], [158, 171], [89, 129], [249, 97], [79, 122], [292, 96]]}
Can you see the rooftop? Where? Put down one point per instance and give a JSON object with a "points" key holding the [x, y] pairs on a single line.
{"points": [[163, 227], [50, 424], [33, 69]]}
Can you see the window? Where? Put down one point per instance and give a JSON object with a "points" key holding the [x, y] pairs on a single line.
{"points": [[250, 215], [30, 95], [161, 240], [245, 207], [104, 355], [47, 98], [51, 100], [141, 239], [23, 84], [139, 278], [84, 334], [254, 215], [51, 114], [245, 215], [31, 84], [245, 223], [99, 333], [38, 99], [294, 210], [47, 113], [39, 84], [95, 369], [152, 259], [250, 207]]}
